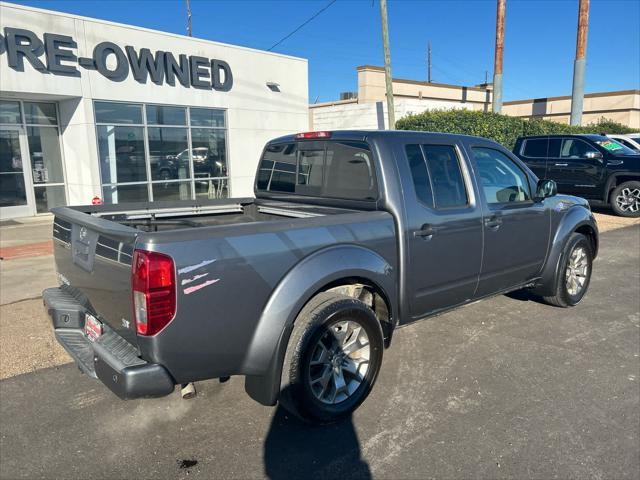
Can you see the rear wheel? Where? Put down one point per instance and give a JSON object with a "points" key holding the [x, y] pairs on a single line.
{"points": [[332, 360], [625, 199], [574, 274]]}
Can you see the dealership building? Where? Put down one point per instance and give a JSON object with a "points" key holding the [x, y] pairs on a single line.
{"points": [[90, 108]]}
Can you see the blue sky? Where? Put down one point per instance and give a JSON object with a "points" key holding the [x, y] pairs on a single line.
{"points": [[540, 38]]}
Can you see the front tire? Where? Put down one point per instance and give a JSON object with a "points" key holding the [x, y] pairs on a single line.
{"points": [[625, 199], [332, 360], [574, 274]]}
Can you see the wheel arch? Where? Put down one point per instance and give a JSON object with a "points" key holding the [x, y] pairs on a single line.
{"points": [[618, 179], [361, 273], [576, 220]]}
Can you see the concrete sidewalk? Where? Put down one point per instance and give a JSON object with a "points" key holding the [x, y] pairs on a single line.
{"points": [[27, 265]]}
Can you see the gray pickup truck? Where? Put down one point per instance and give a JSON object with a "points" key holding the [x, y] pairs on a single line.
{"points": [[350, 235]]}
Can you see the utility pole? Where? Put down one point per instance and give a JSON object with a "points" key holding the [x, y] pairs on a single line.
{"points": [[497, 68], [429, 62], [387, 65], [579, 66], [189, 18]]}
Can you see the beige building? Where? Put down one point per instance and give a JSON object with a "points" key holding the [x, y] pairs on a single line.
{"points": [[368, 108], [621, 106]]}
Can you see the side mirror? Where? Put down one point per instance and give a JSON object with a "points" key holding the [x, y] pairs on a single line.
{"points": [[546, 189], [593, 155]]}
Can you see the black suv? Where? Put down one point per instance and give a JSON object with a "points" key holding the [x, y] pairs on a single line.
{"points": [[595, 167]]}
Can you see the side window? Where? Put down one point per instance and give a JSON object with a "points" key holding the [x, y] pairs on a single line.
{"points": [[446, 177], [554, 147], [419, 174], [573, 148], [535, 148], [501, 178], [278, 168]]}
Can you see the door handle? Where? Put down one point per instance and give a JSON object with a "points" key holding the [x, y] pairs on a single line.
{"points": [[561, 164], [426, 232], [493, 222]]}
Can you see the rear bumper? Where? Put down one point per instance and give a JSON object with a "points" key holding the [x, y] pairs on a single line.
{"points": [[111, 359]]}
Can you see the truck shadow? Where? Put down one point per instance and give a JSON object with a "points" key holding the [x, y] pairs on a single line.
{"points": [[294, 449], [525, 296]]}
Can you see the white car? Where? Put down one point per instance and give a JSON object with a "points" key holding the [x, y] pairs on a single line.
{"points": [[631, 140]]}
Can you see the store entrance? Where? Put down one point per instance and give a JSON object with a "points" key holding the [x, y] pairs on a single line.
{"points": [[16, 193]]}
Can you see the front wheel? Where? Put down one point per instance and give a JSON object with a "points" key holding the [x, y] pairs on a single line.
{"points": [[625, 199], [332, 360], [574, 274]]}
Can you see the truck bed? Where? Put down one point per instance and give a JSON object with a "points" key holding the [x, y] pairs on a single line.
{"points": [[156, 217], [229, 257]]}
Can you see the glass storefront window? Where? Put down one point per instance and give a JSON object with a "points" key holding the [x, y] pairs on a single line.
{"points": [[46, 158], [160, 115], [125, 193], [40, 113], [122, 156], [168, 153], [10, 112], [12, 185], [185, 160], [164, 191], [115, 113], [207, 117], [209, 153], [212, 188], [48, 197]]}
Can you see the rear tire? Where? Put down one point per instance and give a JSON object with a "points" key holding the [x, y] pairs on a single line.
{"points": [[574, 274], [625, 199], [332, 359]]}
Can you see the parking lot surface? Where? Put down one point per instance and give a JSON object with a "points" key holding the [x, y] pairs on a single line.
{"points": [[505, 388]]}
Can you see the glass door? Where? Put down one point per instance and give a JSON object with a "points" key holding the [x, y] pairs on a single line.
{"points": [[16, 193]]}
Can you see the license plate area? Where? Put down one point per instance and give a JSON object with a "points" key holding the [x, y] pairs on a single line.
{"points": [[92, 327]]}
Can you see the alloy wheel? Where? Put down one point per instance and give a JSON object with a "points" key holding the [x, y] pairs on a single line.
{"points": [[577, 271], [339, 362], [629, 200]]}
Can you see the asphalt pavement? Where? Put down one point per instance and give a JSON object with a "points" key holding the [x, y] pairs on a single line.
{"points": [[505, 388]]}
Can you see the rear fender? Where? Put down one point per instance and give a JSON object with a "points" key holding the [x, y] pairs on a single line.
{"points": [[574, 219], [263, 363]]}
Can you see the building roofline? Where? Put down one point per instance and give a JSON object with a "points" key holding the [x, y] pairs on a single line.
{"points": [[568, 97], [419, 82], [146, 30]]}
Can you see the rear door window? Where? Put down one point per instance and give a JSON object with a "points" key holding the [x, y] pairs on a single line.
{"points": [[535, 148], [447, 182], [419, 174]]}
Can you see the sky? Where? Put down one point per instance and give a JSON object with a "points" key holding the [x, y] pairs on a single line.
{"points": [[540, 38]]}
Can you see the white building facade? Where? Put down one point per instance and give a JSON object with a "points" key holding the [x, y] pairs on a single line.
{"points": [[90, 108]]}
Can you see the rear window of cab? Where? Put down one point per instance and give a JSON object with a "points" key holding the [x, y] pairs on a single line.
{"points": [[332, 169]]}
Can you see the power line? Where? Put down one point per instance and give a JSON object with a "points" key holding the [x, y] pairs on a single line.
{"points": [[302, 25]]}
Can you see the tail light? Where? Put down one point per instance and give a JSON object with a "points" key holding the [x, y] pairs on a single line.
{"points": [[154, 291]]}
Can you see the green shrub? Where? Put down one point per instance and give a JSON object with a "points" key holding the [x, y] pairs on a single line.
{"points": [[501, 128]]}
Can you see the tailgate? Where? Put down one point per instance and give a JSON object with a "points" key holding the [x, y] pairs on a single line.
{"points": [[93, 262]]}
